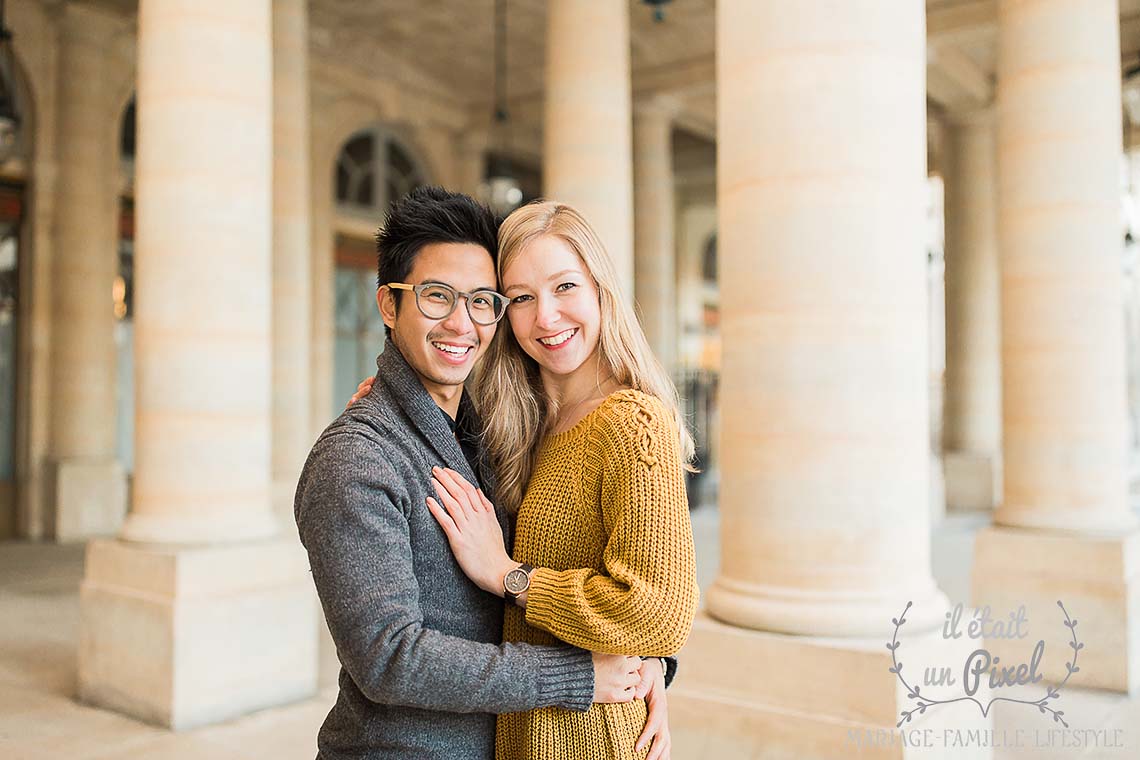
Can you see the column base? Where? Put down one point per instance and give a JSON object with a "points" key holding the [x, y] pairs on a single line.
{"points": [[186, 636], [1097, 579], [821, 613], [748, 694], [86, 498], [971, 482]]}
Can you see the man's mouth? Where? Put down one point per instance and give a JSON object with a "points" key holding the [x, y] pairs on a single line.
{"points": [[554, 341], [453, 349]]}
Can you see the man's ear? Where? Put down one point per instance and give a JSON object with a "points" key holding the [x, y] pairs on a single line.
{"points": [[386, 303]]}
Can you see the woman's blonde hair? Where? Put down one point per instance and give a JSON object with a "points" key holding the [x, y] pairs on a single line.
{"points": [[517, 412]]}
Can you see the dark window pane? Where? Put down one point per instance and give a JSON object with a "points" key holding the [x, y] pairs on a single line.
{"points": [[398, 161], [366, 189], [361, 149], [341, 183]]}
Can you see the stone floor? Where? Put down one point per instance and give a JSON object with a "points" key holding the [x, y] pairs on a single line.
{"points": [[40, 718]]}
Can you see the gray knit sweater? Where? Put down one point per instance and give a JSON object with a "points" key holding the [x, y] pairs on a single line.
{"points": [[422, 667]]}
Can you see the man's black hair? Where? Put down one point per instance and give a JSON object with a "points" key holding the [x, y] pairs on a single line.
{"points": [[430, 215]]}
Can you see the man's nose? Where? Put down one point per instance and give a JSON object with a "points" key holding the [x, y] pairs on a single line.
{"points": [[459, 321]]}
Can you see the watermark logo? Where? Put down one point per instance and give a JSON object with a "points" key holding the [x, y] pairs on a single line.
{"points": [[981, 666]]}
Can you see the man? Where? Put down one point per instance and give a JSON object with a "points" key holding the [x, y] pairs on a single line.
{"points": [[423, 670]]}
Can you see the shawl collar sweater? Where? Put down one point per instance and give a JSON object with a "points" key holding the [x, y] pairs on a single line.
{"points": [[423, 670]]}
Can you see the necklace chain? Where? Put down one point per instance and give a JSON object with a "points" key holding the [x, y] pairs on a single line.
{"points": [[595, 393]]}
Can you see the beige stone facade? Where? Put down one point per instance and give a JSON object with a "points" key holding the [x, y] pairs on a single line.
{"points": [[196, 186]]}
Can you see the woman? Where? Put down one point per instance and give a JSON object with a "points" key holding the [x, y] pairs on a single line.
{"points": [[583, 427]]}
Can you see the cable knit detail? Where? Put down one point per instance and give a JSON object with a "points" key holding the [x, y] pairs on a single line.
{"points": [[606, 522], [643, 424]]}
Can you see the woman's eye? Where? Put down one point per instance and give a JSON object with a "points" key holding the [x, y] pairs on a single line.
{"points": [[520, 299], [566, 286]]}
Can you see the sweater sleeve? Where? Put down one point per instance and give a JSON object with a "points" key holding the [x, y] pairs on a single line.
{"points": [[350, 519], [644, 599]]}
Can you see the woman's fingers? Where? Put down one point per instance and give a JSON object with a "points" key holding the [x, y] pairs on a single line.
{"points": [[458, 486], [471, 491], [657, 719], [652, 726], [459, 489], [662, 745], [485, 502], [453, 507], [442, 517]]}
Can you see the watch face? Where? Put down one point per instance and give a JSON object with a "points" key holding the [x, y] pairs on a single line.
{"points": [[517, 581]]}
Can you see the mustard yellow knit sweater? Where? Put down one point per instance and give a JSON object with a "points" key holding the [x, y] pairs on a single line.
{"points": [[606, 523]]}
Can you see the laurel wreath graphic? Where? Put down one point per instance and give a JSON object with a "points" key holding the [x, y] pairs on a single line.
{"points": [[923, 701]]}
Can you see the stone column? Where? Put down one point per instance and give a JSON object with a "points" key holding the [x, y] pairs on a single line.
{"points": [[1064, 530], [824, 449], [322, 269], [87, 485], [586, 120], [655, 277], [292, 290], [972, 412], [198, 614], [696, 225]]}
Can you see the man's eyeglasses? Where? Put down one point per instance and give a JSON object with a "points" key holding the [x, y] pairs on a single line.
{"points": [[436, 301]]}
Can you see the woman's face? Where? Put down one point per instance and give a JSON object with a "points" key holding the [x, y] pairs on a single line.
{"points": [[554, 311]]}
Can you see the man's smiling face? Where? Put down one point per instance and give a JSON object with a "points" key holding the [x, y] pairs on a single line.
{"points": [[441, 351]]}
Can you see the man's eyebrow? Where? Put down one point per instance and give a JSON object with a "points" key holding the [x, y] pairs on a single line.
{"points": [[448, 284]]}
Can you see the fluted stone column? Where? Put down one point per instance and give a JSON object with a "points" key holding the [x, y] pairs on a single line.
{"points": [[1064, 530], [972, 413], [292, 290], [197, 613], [322, 269], [823, 293], [821, 172], [87, 485], [655, 276], [586, 120]]}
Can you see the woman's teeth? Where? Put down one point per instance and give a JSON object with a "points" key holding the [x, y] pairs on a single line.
{"points": [[558, 339]]}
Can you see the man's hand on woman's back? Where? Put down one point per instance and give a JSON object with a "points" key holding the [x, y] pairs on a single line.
{"points": [[616, 677]]}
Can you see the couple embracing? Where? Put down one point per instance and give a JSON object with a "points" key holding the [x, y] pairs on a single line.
{"points": [[522, 550]]}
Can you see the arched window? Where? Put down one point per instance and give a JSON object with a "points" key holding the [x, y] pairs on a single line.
{"points": [[374, 169]]}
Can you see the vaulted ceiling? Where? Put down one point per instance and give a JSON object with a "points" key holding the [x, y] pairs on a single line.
{"points": [[451, 43]]}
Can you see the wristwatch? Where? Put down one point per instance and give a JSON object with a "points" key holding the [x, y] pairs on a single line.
{"points": [[516, 582]]}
